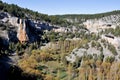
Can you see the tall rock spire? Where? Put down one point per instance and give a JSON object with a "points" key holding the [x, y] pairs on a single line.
{"points": [[22, 34]]}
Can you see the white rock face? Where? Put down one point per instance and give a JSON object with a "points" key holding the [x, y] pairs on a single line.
{"points": [[5, 17], [13, 21], [4, 34], [93, 50], [61, 29], [94, 25], [80, 52], [113, 40]]}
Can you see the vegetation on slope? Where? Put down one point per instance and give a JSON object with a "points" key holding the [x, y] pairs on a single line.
{"points": [[51, 63], [89, 16], [24, 12]]}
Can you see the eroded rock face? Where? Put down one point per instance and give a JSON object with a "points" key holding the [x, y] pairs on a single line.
{"points": [[115, 41], [22, 34], [22, 29], [13, 21], [95, 25]]}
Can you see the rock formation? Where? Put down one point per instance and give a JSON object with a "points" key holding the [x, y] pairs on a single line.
{"points": [[115, 41], [22, 34], [95, 25]]}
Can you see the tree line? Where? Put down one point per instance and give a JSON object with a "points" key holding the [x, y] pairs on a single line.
{"points": [[17, 11]]}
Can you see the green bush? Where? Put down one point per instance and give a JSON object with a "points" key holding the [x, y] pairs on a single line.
{"points": [[112, 49], [110, 59]]}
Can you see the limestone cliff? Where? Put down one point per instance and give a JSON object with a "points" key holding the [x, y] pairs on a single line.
{"points": [[95, 25]]}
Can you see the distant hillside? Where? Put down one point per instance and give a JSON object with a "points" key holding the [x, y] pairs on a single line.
{"points": [[17, 11], [89, 16], [61, 20]]}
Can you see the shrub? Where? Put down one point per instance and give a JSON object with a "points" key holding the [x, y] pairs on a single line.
{"points": [[110, 59], [112, 49]]}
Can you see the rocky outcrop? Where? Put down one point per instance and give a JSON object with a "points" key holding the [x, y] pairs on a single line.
{"points": [[115, 41], [13, 21], [80, 52], [16, 29], [95, 25], [61, 29], [22, 34]]}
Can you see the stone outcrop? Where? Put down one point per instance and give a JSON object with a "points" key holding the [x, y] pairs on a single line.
{"points": [[7, 18], [115, 41], [13, 21], [22, 30], [61, 29], [95, 25], [22, 34]]}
